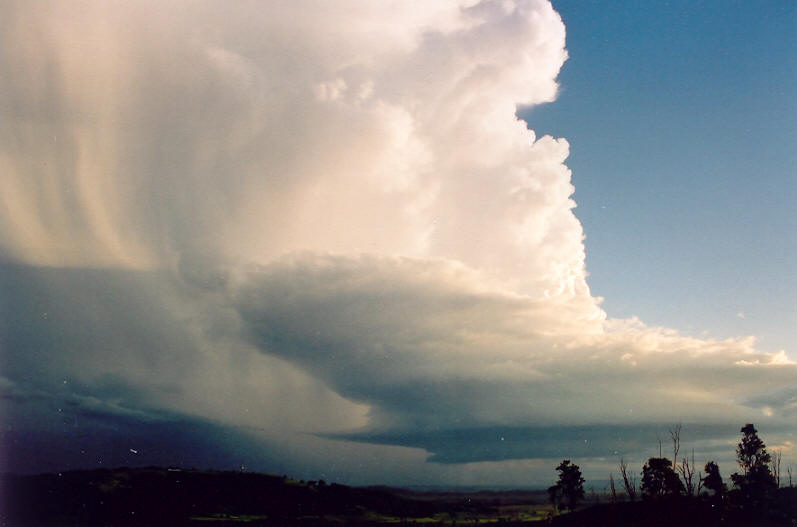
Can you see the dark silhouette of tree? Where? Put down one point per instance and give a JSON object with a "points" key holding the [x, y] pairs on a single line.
{"points": [[751, 451], [713, 480], [675, 434], [629, 481], [659, 479], [687, 471], [756, 481], [612, 488], [555, 496], [569, 489]]}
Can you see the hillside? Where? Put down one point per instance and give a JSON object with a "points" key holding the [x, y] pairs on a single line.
{"points": [[158, 496]]}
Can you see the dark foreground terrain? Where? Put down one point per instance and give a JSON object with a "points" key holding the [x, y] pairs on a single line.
{"points": [[174, 497], [158, 496]]}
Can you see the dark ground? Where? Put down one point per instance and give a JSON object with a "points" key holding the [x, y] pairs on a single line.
{"points": [[157, 496]]}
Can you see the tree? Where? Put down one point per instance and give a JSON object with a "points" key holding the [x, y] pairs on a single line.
{"points": [[629, 481], [612, 488], [713, 481], [675, 434], [555, 496], [569, 489], [756, 480], [751, 451], [659, 479], [687, 471]]}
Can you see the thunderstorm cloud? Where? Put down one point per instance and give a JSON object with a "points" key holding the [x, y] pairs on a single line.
{"points": [[319, 239]]}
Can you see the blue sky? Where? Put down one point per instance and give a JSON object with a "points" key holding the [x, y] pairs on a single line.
{"points": [[682, 123]]}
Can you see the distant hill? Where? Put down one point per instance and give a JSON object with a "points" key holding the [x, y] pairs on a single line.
{"points": [[159, 496]]}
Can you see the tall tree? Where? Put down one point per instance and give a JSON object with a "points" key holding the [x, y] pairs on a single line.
{"points": [[659, 479], [713, 480], [569, 489], [756, 480], [751, 452]]}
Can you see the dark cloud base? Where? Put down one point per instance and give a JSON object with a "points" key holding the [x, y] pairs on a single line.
{"points": [[81, 441], [506, 443]]}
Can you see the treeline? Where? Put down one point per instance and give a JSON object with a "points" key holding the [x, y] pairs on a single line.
{"points": [[672, 490]]}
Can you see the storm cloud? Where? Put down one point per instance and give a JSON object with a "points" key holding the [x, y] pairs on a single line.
{"points": [[317, 238]]}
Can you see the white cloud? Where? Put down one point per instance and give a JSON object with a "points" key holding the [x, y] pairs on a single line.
{"points": [[247, 134]]}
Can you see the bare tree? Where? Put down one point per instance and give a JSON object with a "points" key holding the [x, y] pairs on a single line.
{"points": [[675, 434], [611, 487], [776, 467], [788, 471], [629, 481], [687, 470], [699, 482]]}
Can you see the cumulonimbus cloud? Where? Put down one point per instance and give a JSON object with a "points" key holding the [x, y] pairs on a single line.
{"points": [[239, 134], [300, 218]]}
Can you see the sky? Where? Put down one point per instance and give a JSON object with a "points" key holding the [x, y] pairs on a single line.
{"points": [[445, 244], [683, 161]]}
